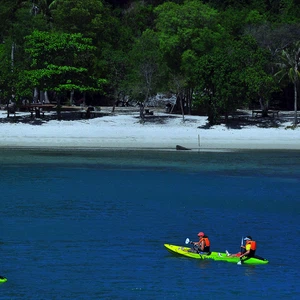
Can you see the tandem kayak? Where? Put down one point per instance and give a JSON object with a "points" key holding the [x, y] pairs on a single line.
{"points": [[184, 251], [2, 279]]}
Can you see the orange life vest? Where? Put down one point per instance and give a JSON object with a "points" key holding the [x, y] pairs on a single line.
{"points": [[252, 244], [206, 240], [207, 244]]}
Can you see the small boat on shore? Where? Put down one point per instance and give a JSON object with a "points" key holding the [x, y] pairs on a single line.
{"points": [[219, 256]]}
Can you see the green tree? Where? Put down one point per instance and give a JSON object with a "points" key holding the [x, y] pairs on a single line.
{"points": [[139, 16], [273, 39], [113, 44], [186, 32], [289, 65], [231, 77], [220, 87], [95, 19], [81, 16], [19, 21], [6, 75], [147, 69], [61, 62]]}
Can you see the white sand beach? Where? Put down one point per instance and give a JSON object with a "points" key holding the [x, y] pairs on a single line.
{"points": [[160, 131]]}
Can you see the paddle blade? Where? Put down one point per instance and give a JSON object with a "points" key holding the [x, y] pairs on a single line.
{"points": [[239, 263], [187, 241]]}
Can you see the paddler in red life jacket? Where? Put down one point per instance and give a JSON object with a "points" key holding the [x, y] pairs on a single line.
{"points": [[203, 246], [249, 248]]}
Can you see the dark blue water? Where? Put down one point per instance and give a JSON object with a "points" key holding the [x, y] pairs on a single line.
{"points": [[91, 225]]}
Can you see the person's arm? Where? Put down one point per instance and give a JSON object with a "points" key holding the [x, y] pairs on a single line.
{"points": [[202, 245], [245, 254], [248, 247], [196, 243]]}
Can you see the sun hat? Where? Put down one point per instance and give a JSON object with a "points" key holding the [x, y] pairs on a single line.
{"points": [[248, 238], [201, 233]]}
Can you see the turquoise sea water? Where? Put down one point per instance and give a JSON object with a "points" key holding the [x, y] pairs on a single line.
{"points": [[91, 225]]}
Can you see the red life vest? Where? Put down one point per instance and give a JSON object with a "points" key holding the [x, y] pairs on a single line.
{"points": [[207, 244], [252, 244], [252, 248]]}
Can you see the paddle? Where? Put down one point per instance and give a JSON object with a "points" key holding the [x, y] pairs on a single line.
{"points": [[187, 241], [242, 244]]}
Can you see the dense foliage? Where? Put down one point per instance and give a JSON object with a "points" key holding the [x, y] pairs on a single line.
{"points": [[216, 56]]}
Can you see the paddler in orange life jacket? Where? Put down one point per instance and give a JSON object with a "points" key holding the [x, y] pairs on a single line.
{"points": [[204, 244], [250, 247]]}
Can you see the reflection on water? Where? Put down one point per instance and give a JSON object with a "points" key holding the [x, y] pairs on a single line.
{"points": [[204, 264], [250, 270]]}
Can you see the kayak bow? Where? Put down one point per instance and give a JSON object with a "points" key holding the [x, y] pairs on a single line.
{"points": [[2, 279], [220, 256]]}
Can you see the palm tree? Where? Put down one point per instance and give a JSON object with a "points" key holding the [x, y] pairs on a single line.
{"points": [[289, 64], [43, 7], [54, 3]]}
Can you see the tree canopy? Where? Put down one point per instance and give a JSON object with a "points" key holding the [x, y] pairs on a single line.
{"points": [[216, 56]]}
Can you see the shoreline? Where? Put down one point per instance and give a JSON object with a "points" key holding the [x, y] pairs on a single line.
{"points": [[161, 132], [64, 150]]}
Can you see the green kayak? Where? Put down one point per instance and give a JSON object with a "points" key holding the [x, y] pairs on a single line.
{"points": [[2, 279], [215, 256]]}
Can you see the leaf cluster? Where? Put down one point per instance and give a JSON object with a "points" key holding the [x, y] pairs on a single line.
{"points": [[218, 55]]}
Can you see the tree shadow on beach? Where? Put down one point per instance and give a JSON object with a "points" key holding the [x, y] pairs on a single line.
{"points": [[248, 121], [160, 120], [24, 120], [258, 122], [27, 119], [238, 121]]}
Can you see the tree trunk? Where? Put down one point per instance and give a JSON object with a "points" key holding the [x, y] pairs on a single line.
{"points": [[42, 99], [58, 108], [143, 105], [72, 97], [212, 112], [189, 96], [181, 105], [142, 115], [84, 99], [46, 98], [264, 107], [35, 95], [226, 117], [117, 99], [295, 104], [7, 109]]}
